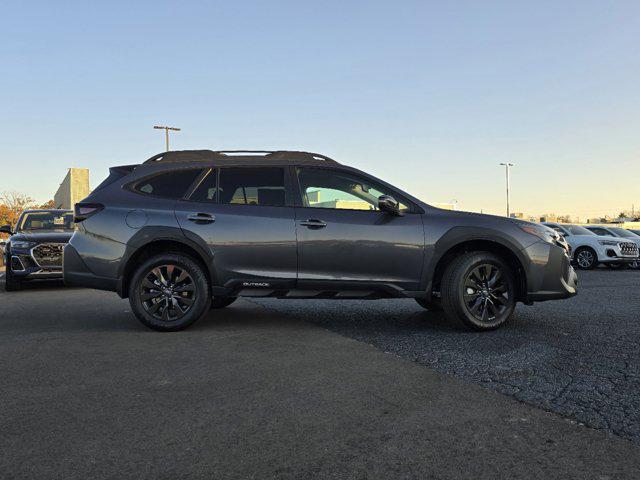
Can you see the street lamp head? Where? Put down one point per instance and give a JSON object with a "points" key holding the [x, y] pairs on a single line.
{"points": [[508, 164]]}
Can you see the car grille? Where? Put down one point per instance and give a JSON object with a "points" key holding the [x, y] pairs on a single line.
{"points": [[629, 249], [48, 254]]}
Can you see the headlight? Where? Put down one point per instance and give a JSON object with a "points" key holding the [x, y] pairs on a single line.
{"points": [[540, 231], [610, 243], [22, 244]]}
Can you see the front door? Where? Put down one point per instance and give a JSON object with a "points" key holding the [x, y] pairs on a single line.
{"points": [[344, 237], [246, 217]]}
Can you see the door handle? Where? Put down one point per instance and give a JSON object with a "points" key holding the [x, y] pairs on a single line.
{"points": [[201, 218], [313, 223]]}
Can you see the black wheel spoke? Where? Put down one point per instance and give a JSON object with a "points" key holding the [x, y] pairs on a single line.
{"points": [[495, 278], [146, 283], [471, 283], [185, 300], [155, 307], [185, 288], [149, 295], [485, 311], [470, 297], [477, 305]]}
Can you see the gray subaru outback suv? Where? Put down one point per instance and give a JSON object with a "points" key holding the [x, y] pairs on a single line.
{"points": [[187, 231]]}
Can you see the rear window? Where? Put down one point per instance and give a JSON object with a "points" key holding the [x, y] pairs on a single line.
{"points": [[252, 186], [173, 184]]}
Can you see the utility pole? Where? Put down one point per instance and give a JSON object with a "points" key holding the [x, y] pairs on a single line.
{"points": [[506, 169], [166, 133]]}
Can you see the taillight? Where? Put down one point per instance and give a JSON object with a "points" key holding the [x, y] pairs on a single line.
{"points": [[82, 211]]}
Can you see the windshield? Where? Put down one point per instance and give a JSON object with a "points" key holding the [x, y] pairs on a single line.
{"points": [[46, 221], [578, 230], [623, 233]]}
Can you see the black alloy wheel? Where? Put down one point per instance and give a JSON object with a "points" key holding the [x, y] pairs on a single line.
{"points": [[479, 290], [486, 293], [169, 292]]}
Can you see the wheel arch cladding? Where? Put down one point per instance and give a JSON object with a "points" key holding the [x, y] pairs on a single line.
{"points": [[448, 251], [163, 245]]}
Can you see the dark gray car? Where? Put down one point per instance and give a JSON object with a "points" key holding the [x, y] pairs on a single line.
{"points": [[34, 249], [187, 231]]}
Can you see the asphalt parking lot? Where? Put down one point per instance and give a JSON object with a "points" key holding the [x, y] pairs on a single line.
{"points": [[288, 389], [579, 358]]}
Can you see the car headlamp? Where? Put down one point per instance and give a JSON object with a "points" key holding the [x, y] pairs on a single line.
{"points": [[610, 243], [22, 244], [543, 233]]}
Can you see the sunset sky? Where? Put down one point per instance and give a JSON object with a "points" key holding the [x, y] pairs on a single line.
{"points": [[430, 96]]}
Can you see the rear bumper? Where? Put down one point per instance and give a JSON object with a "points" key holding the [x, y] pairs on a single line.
{"points": [[77, 274], [550, 276]]}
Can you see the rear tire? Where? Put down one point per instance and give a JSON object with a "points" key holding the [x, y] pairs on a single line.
{"points": [[586, 258], [221, 302], [169, 292], [479, 291]]}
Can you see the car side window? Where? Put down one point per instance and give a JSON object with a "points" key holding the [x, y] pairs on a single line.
{"points": [[600, 231], [263, 186], [321, 188], [207, 188], [173, 184]]}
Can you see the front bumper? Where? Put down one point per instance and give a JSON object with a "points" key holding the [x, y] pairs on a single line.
{"points": [[25, 267], [550, 275]]}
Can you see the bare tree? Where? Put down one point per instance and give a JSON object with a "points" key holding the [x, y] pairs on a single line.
{"points": [[11, 206]]}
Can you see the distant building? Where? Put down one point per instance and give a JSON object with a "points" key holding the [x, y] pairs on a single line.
{"points": [[73, 188], [518, 215], [549, 218]]}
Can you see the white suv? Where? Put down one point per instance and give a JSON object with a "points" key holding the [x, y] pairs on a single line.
{"points": [[620, 233], [589, 249]]}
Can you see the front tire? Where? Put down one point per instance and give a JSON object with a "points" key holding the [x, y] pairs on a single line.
{"points": [[635, 265], [586, 258], [169, 292], [11, 283], [479, 291]]}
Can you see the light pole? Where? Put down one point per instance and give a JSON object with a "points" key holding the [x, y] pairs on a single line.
{"points": [[166, 133], [506, 170]]}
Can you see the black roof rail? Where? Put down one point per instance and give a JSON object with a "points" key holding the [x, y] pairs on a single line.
{"points": [[205, 155]]}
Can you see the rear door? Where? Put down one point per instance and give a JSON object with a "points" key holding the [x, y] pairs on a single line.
{"points": [[245, 216], [344, 237]]}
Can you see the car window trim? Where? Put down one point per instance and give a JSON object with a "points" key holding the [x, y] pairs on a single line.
{"points": [[198, 181], [413, 209]]}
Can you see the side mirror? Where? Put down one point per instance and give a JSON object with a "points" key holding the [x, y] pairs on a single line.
{"points": [[6, 229], [388, 204]]}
